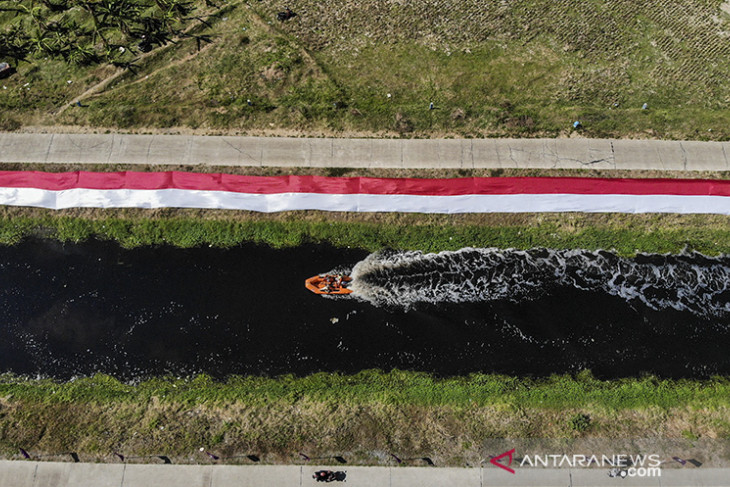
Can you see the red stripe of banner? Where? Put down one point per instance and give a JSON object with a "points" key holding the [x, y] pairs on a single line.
{"points": [[326, 185]]}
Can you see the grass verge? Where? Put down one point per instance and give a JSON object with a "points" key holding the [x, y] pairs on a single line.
{"points": [[396, 387], [624, 234], [361, 416]]}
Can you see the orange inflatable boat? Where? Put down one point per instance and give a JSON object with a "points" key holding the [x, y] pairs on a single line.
{"points": [[328, 284]]}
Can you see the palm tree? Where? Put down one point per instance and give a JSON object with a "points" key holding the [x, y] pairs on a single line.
{"points": [[15, 44], [26, 10], [92, 6], [65, 34], [151, 32], [173, 11], [39, 42], [13, 6], [56, 5], [83, 55], [120, 13], [181, 7]]}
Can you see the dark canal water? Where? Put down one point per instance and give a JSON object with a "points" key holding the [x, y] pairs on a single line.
{"points": [[76, 309]]}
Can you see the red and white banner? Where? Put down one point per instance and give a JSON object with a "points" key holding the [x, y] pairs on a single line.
{"points": [[82, 189]]}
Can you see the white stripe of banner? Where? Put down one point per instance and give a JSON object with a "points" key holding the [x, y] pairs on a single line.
{"points": [[269, 203]]}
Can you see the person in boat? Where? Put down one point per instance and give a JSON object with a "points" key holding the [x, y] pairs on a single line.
{"points": [[332, 283]]}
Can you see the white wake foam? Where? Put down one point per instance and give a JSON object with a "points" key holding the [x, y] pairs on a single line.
{"points": [[687, 282]]}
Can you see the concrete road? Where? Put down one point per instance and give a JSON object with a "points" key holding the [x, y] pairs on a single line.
{"points": [[56, 474], [365, 153]]}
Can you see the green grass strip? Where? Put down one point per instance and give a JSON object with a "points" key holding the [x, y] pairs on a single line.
{"points": [[395, 387], [191, 232]]}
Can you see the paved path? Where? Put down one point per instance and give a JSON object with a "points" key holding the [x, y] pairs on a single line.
{"points": [[56, 474], [370, 153]]}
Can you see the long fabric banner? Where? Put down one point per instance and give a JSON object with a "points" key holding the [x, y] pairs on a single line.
{"points": [[82, 189]]}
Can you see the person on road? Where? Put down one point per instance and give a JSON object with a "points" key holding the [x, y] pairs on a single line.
{"points": [[324, 476]]}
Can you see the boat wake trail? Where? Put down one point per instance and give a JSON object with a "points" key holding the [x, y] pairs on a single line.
{"points": [[686, 282]]}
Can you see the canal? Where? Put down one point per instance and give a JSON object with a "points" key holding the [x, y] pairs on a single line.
{"points": [[77, 309]]}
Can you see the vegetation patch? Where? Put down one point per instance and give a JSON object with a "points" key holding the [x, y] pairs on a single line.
{"points": [[521, 68], [88, 32], [358, 416], [624, 234]]}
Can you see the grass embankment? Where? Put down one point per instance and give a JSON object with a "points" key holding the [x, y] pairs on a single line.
{"points": [[361, 416], [523, 68], [366, 415], [624, 234]]}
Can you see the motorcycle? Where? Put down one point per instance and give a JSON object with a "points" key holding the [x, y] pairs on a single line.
{"points": [[329, 476]]}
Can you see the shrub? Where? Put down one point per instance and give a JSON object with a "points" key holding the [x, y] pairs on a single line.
{"points": [[580, 422], [9, 124]]}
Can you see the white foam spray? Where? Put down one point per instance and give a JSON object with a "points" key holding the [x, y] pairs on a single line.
{"points": [[686, 282]]}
